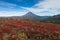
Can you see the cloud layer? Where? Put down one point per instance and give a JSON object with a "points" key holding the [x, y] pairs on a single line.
{"points": [[8, 14], [41, 8], [9, 9], [46, 8]]}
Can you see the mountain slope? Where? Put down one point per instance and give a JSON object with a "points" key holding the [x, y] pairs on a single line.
{"points": [[29, 16], [53, 19]]}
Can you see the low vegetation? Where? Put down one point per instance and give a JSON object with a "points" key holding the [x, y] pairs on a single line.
{"points": [[28, 30]]}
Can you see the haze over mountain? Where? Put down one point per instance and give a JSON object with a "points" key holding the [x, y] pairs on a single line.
{"points": [[28, 16], [32, 17]]}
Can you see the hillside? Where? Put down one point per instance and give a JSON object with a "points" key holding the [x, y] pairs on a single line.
{"points": [[30, 27], [53, 19], [28, 30]]}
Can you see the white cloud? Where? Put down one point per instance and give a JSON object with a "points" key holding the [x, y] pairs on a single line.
{"points": [[13, 13], [9, 9], [34, 10], [46, 7], [5, 5], [54, 4]]}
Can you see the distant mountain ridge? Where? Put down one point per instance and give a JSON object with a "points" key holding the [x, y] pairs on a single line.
{"points": [[53, 19], [29, 16], [32, 17]]}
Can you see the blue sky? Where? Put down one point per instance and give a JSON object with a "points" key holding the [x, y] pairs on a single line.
{"points": [[21, 7]]}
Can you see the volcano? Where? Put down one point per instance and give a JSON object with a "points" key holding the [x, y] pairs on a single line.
{"points": [[29, 16], [32, 16]]}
